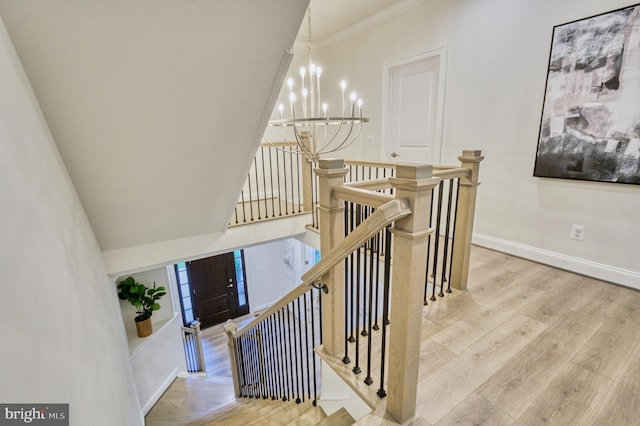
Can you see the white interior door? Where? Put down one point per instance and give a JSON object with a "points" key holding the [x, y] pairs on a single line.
{"points": [[415, 107]]}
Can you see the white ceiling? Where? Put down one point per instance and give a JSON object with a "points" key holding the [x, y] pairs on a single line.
{"points": [[157, 107]]}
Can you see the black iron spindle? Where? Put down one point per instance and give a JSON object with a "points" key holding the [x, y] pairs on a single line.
{"points": [[368, 380], [313, 354], [453, 234], [426, 272], [264, 184], [347, 269], [385, 308], [255, 169]]}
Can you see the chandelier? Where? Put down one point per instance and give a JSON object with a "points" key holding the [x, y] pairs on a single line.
{"points": [[317, 129]]}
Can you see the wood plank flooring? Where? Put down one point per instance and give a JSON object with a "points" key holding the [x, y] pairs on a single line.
{"points": [[525, 344]]}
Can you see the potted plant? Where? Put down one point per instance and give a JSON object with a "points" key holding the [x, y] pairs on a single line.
{"points": [[145, 301]]}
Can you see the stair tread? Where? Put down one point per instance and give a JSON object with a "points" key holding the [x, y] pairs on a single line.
{"points": [[339, 418], [246, 412]]}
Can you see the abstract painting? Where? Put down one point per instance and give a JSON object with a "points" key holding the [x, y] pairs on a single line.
{"points": [[590, 126]]}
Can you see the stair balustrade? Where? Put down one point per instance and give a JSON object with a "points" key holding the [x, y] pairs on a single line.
{"points": [[192, 341], [391, 235]]}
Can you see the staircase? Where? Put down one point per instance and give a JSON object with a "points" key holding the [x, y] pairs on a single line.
{"points": [[260, 412], [377, 240]]}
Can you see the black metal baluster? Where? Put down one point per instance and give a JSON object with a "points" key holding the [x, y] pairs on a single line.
{"points": [[309, 353], [440, 194], [314, 197], [368, 380], [251, 343], [250, 196], [313, 353], [445, 251], [437, 241], [352, 282], [378, 239], [273, 206], [272, 359], [356, 368], [284, 178], [235, 212], [264, 184], [260, 359], [283, 357], [255, 169], [266, 361], [347, 268], [453, 235], [244, 212], [299, 324], [277, 337], [385, 308], [320, 311], [365, 277], [426, 273], [298, 160], [279, 187], [293, 360], [293, 196]]}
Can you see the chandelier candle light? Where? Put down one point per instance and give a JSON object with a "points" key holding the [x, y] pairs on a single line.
{"points": [[315, 118]]}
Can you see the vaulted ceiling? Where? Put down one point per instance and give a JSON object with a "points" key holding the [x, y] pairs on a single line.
{"points": [[157, 108]]}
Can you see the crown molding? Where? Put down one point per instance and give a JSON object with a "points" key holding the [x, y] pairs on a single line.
{"points": [[369, 22]]}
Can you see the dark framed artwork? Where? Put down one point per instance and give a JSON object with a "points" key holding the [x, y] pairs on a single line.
{"points": [[590, 126]]}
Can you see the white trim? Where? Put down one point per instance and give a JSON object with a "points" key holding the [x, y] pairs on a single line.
{"points": [[262, 307], [584, 267], [442, 53], [370, 21], [157, 394]]}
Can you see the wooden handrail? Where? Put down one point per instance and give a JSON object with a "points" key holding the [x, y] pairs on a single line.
{"points": [[451, 173], [362, 196], [277, 144], [371, 185], [383, 216], [370, 163]]}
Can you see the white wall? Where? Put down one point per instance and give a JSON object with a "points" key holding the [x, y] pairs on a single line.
{"points": [[60, 325], [267, 276], [498, 52], [157, 359]]}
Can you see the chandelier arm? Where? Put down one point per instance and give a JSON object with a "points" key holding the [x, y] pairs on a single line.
{"points": [[301, 146], [339, 147], [279, 148], [352, 140], [321, 150]]}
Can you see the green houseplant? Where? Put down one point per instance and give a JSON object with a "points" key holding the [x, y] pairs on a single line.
{"points": [[145, 301]]}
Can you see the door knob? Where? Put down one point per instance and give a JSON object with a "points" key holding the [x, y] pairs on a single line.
{"points": [[395, 154], [230, 286]]}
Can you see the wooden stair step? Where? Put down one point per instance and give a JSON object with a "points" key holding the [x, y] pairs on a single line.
{"points": [[339, 418], [249, 411]]}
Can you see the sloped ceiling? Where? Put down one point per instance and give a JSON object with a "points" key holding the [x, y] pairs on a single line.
{"points": [[157, 107]]}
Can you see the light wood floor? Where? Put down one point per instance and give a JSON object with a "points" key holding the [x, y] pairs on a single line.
{"points": [[526, 344]]}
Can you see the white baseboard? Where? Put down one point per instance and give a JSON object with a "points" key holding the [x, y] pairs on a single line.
{"points": [[580, 266], [156, 396]]}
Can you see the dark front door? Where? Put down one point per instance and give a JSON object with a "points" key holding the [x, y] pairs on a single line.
{"points": [[214, 286]]}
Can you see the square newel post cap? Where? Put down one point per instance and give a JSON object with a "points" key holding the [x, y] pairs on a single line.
{"points": [[414, 171], [330, 163], [471, 155]]}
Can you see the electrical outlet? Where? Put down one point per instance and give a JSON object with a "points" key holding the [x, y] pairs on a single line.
{"points": [[577, 232]]}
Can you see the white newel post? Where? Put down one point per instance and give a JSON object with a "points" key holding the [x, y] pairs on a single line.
{"points": [[331, 173], [413, 183], [470, 159]]}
